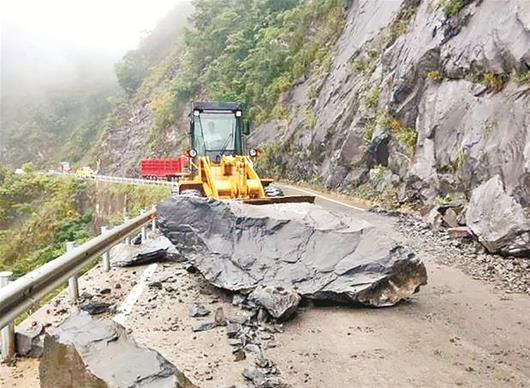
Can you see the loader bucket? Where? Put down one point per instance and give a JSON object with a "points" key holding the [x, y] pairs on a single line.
{"points": [[286, 199]]}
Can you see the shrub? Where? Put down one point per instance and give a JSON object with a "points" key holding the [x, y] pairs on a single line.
{"points": [[372, 98], [458, 164], [41, 214], [494, 82], [434, 75], [490, 126], [270, 164], [310, 117], [406, 136], [453, 7], [523, 77]]}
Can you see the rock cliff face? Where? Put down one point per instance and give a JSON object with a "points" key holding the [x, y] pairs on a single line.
{"points": [[434, 96]]}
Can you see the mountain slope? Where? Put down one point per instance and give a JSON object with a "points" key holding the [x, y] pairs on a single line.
{"points": [[248, 51], [408, 101]]}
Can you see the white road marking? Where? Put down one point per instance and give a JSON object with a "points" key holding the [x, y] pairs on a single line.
{"points": [[324, 198], [129, 302]]}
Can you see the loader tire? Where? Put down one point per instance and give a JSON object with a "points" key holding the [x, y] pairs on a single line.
{"points": [[191, 193], [273, 191]]}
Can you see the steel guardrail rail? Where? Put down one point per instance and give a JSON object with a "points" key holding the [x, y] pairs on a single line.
{"points": [[115, 179], [119, 179], [29, 289]]}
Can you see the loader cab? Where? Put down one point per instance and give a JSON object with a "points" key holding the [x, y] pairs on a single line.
{"points": [[217, 129]]}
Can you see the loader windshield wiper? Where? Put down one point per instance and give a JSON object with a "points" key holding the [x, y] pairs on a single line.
{"points": [[227, 143]]}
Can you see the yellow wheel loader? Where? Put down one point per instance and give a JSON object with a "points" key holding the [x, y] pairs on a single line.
{"points": [[221, 166]]}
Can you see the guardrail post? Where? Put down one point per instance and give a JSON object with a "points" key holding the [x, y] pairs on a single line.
{"points": [[144, 230], [73, 285], [8, 332], [127, 238], [105, 257], [153, 221]]}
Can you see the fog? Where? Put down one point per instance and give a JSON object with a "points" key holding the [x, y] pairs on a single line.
{"points": [[50, 44]]}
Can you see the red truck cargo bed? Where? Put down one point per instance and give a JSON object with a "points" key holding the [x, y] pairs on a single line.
{"points": [[163, 168]]}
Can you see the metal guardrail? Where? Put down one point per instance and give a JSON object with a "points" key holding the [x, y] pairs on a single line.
{"points": [[118, 179], [16, 297], [134, 181]]}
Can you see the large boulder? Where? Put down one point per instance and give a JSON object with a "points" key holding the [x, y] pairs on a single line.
{"points": [[296, 246], [498, 220], [85, 352]]}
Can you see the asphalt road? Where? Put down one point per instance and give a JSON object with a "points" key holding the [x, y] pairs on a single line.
{"points": [[455, 332]]}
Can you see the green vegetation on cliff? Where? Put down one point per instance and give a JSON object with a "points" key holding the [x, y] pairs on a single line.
{"points": [[247, 51], [251, 51], [40, 212]]}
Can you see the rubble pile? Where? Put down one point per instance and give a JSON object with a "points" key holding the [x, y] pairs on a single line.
{"points": [[297, 246], [252, 334], [507, 273]]}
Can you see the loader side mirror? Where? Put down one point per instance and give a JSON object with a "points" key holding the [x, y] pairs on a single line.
{"points": [[246, 128]]}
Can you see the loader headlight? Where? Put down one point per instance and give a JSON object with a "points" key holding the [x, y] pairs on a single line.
{"points": [[196, 113], [238, 113], [193, 153], [253, 152]]}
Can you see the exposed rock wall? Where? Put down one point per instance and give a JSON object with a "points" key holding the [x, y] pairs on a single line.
{"points": [[441, 101]]}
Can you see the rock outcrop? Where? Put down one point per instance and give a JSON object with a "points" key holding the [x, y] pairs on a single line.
{"points": [[498, 220], [438, 98], [85, 352], [295, 246]]}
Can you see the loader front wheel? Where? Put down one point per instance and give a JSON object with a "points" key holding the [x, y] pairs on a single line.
{"points": [[273, 191], [190, 193]]}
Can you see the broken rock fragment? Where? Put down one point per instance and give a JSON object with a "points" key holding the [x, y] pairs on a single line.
{"points": [[280, 302], [95, 307], [29, 341], [204, 326], [297, 246], [158, 249], [198, 310], [86, 352], [263, 379], [498, 220]]}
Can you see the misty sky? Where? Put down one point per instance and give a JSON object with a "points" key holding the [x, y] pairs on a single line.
{"points": [[43, 41]]}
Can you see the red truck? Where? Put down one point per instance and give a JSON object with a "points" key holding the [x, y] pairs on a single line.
{"points": [[168, 169]]}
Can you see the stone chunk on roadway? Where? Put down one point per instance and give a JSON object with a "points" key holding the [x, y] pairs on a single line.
{"points": [[158, 249], [498, 220], [296, 246], [198, 310], [280, 302], [85, 352]]}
